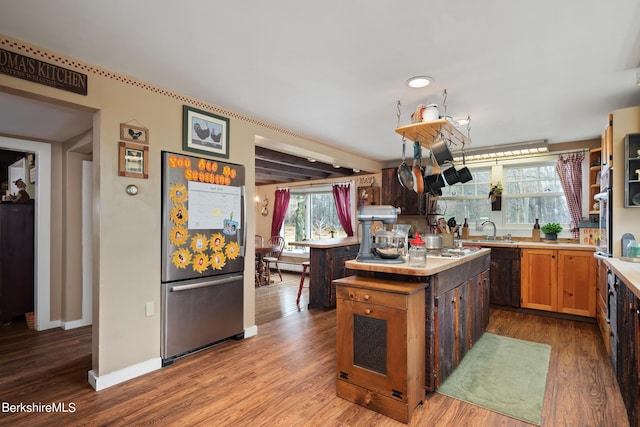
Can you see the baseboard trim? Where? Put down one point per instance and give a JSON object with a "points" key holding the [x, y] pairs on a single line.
{"points": [[121, 375], [251, 331], [76, 324]]}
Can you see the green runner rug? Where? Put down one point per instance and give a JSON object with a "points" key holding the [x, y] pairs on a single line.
{"points": [[504, 375]]}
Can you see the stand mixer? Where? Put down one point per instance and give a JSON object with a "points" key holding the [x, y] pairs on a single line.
{"points": [[384, 247]]}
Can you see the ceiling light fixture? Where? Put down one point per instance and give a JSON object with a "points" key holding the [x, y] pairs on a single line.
{"points": [[419, 81]]}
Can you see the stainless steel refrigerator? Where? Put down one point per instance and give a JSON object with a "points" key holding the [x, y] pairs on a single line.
{"points": [[203, 248]]}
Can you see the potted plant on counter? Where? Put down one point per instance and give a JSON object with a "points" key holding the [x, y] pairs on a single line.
{"points": [[551, 231], [495, 196]]}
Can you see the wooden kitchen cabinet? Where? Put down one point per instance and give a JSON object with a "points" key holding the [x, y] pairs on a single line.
{"points": [[394, 194], [539, 279], [595, 166], [602, 302], [626, 361], [327, 264], [462, 315], [607, 143], [380, 343], [505, 276], [562, 281], [577, 283]]}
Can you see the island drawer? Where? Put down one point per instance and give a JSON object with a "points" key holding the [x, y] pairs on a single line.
{"points": [[375, 291], [372, 297]]}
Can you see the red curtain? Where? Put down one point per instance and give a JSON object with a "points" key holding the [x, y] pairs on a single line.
{"points": [[280, 207], [342, 197], [570, 173]]}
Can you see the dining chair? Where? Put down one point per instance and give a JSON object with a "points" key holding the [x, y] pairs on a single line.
{"points": [[259, 242], [276, 243]]}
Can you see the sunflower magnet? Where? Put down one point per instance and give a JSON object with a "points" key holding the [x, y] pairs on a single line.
{"points": [[232, 250], [178, 235], [199, 243], [179, 214], [181, 258], [218, 260], [200, 262], [178, 194], [216, 242]]}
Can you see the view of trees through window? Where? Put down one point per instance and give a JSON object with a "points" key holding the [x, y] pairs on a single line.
{"points": [[531, 190], [534, 192], [312, 216], [469, 200]]}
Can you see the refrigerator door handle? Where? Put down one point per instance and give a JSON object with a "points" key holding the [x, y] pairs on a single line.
{"points": [[178, 288]]}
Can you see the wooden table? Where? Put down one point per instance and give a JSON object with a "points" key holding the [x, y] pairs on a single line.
{"points": [[261, 251]]}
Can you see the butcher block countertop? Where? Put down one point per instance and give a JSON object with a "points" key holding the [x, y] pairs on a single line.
{"points": [[629, 272], [435, 265], [327, 243]]}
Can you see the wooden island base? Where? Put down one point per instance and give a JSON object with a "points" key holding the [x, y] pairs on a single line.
{"points": [[402, 331], [380, 344]]}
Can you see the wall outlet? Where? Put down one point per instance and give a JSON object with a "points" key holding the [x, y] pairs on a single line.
{"points": [[149, 309]]}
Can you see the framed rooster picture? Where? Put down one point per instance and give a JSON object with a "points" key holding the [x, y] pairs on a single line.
{"points": [[205, 132], [131, 133]]}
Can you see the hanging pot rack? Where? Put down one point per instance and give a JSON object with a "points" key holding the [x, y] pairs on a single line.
{"points": [[426, 132]]}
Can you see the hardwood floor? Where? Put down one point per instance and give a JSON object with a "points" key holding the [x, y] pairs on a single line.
{"points": [[284, 376], [279, 298]]}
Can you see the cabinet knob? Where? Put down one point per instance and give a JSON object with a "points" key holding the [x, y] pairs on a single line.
{"points": [[367, 311], [366, 297]]}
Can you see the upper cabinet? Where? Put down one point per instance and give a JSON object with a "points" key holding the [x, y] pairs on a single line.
{"points": [[632, 170], [607, 143], [595, 166]]}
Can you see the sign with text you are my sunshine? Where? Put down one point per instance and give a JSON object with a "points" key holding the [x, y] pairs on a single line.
{"points": [[31, 69]]}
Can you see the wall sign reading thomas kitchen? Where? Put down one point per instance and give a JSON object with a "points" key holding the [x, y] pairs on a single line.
{"points": [[26, 68]]}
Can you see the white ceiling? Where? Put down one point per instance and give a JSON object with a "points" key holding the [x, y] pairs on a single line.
{"points": [[334, 70]]}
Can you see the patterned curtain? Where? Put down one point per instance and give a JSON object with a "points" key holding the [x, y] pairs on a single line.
{"points": [[570, 173], [342, 197], [280, 207]]}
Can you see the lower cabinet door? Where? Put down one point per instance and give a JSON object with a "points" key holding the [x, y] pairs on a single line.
{"points": [[372, 343]]}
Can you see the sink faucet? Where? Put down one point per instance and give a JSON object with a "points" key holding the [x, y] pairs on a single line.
{"points": [[494, 227]]}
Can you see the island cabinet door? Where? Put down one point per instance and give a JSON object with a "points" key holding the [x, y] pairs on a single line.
{"points": [[372, 344], [478, 306], [446, 328], [539, 279]]}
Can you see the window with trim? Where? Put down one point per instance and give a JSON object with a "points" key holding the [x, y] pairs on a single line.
{"points": [[469, 200], [533, 191], [311, 215]]}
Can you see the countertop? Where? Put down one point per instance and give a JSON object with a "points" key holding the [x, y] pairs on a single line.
{"points": [[327, 243], [530, 245], [434, 265], [629, 272]]}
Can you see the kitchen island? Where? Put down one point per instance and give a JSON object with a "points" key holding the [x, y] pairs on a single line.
{"points": [[327, 258], [452, 314]]}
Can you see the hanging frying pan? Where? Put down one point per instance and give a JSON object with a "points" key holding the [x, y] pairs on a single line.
{"points": [[451, 175], [418, 180], [440, 150], [464, 174], [404, 172]]}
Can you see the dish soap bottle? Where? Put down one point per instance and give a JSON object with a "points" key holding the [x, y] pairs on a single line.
{"points": [[535, 234], [465, 230]]}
